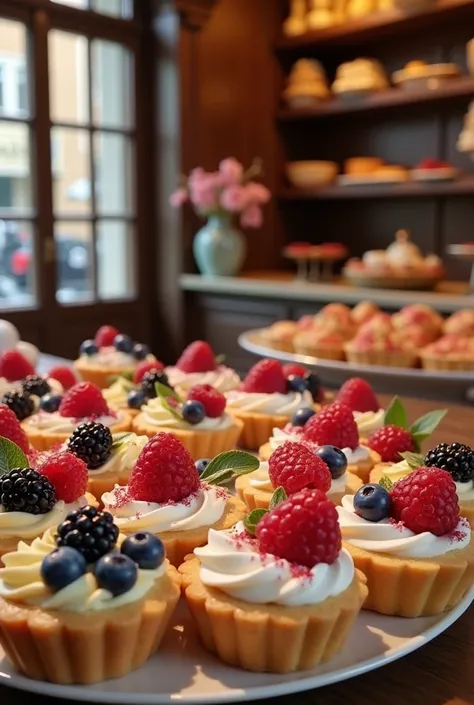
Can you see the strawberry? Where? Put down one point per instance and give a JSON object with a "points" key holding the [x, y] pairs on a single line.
{"points": [[266, 377], [14, 366], [197, 357]]}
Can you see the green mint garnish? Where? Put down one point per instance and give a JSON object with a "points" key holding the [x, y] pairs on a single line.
{"points": [[228, 465], [423, 427], [278, 497], [386, 483], [119, 438], [165, 392], [414, 460], [396, 414], [125, 377], [219, 359], [11, 456], [252, 519]]}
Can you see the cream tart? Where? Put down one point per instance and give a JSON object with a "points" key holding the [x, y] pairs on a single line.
{"points": [[263, 604], [199, 365], [280, 335], [321, 342], [81, 615], [460, 323], [363, 312], [451, 352], [374, 345], [418, 315]]}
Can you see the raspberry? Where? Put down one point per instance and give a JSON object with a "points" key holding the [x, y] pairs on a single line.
{"points": [[10, 428], [334, 425], [426, 500], [67, 474], [212, 400], [64, 375], [146, 366], [294, 467], [266, 377], [303, 529], [389, 441], [197, 357], [164, 472], [292, 368], [14, 366], [105, 336], [358, 395], [83, 400]]}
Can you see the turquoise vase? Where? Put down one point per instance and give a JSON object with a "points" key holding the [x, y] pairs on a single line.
{"points": [[219, 248]]}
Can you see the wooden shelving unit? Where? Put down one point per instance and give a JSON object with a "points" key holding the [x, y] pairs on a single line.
{"points": [[409, 189]]}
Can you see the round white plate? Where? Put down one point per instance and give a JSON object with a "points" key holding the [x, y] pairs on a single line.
{"points": [[183, 672], [400, 380]]}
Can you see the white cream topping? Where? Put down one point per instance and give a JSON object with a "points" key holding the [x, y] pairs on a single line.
{"points": [[369, 421], [281, 435], [385, 536], [28, 526], [55, 423], [359, 455], [260, 480], [233, 565], [225, 379], [465, 490], [202, 509], [110, 357], [155, 414], [116, 395], [20, 581], [280, 404], [122, 461]]}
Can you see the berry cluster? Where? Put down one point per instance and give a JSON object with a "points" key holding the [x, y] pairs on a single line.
{"points": [[92, 442], [20, 403], [26, 490], [457, 459], [108, 336], [270, 377]]}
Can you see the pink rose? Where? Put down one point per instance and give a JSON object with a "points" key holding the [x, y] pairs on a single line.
{"points": [[203, 192], [258, 192], [234, 198], [196, 176], [179, 197], [231, 171], [252, 217]]}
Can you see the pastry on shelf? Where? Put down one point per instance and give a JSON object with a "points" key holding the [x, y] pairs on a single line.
{"points": [[363, 312], [362, 165], [378, 346], [460, 323], [320, 342], [280, 335], [420, 315], [336, 317], [311, 174], [321, 14], [451, 352], [418, 75], [371, 170], [465, 142], [434, 170], [307, 84], [297, 22], [359, 8], [359, 77]]}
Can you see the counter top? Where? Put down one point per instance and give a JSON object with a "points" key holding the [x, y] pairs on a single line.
{"points": [[449, 297]]}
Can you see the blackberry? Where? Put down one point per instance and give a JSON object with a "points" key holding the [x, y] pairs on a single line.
{"points": [[34, 384], [20, 403], [456, 458], [89, 531], [92, 442], [150, 379], [25, 490]]}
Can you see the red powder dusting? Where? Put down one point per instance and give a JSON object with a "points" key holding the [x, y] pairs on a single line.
{"points": [[122, 497], [399, 525], [459, 533]]}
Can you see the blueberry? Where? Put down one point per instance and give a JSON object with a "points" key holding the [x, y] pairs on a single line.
{"points": [[140, 351], [135, 399], [294, 383], [116, 573], [193, 412], [313, 385], [123, 343], [372, 502], [334, 459], [62, 567], [88, 347], [145, 549], [50, 403], [301, 416], [202, 464]]}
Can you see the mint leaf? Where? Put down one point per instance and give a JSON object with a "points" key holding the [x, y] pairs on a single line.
{"points": [[414, 460], [386, 483], [396, 414], [219, 359], [125, 376], [172, 410], [11, 456], [228, 465], [163, 391], [425, 425], [278, 497], [252, 519], [118, 439]]}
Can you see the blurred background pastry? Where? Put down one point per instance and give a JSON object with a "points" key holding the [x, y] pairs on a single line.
{"points": [[307, 84], [296, 22], [360, 76], [419, 74]]}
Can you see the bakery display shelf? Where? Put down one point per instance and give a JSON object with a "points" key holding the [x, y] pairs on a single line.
{"points": [[392, 98], [363, 29], [406, 189]]}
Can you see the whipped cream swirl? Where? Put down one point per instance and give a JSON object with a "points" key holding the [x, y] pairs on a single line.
{"points": [[260, 480], [116, 395], [204, 508], [278, 404], [20, 581], [293, 434], [123, 459], [55, 423], [223, 378], [28, 526], [155, 414], [358, 455], [465, 491], [386, 536], [232, 563], [110, 357], [369, 421]]}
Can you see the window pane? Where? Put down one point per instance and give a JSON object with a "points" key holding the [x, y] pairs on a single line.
{"points": [[111, 78], [13, 73], [69, 83], [74, 262], [113, 166], [115, 260], [81, 4], [17, 270], [70, 154], [15, 182], [116, 8]]}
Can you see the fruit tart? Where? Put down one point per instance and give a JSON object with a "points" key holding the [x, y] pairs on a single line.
{"points": [[199, 365], [418, 315], [374, 345], [75, 608], [281, 600], [267, 399], [460, 323], [83, 402], [451, 352], [110, 354], [358, 395], [363, 312], [336, 318], [33, 500], [201, 421], [281, 335], [411, 543], [295, 466], [321, 342], [166, 495]]}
